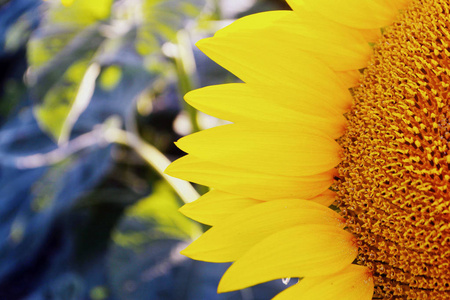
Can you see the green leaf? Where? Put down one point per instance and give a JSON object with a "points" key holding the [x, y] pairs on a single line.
{"points": [[159, 212], [59, 55], [56, 113], [73, 38], [110, 77], [80, 13], [161, 21]]}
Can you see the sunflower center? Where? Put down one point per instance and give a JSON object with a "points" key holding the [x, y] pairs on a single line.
{"points": [[394, 178]]}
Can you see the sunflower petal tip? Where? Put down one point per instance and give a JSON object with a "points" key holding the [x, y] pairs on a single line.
{"points": [[186, 210], [179, 166], [188, 96], [224, 286], [177, 143], [182, 209], [187, 252], [233, 279], [171, 169], [185, 143], [182, 252], [203, 43], [167, 170], [190, 254]]}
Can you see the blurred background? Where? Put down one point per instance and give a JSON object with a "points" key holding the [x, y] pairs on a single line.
{"points": [[90, 105]]}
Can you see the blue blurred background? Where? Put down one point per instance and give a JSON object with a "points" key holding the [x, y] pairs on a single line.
{"points": [[86, 88]]}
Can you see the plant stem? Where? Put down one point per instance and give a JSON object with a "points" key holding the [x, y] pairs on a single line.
{"points": [[154, 158]]}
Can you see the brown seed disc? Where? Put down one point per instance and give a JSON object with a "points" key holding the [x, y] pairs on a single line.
{"points": [[394, 178]]}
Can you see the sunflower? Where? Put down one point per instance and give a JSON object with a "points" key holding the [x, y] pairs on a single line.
{"points": [[336, 166]]}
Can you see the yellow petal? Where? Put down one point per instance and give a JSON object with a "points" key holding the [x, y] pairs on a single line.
{"points": [[354, 13], [249, 183], [256, 59], [352, 283], [349, 78], [215, 206], [302, 89], [217, 99], [371, 35], [282, 149], [326, 198], [301, 251], [338, 46], [230, 239], [67, 2], [400, 4], [241, 102]]}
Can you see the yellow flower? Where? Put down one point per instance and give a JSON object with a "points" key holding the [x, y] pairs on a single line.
{"points": [[309, 131]]}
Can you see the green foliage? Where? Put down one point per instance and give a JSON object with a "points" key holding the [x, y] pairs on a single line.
{"points": [[159, 214], [44, 190], [59, 100], [58, 63], [110, 77], [160, 21], [80, 33], [80, 13], [17, 35], [14, 90]]}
